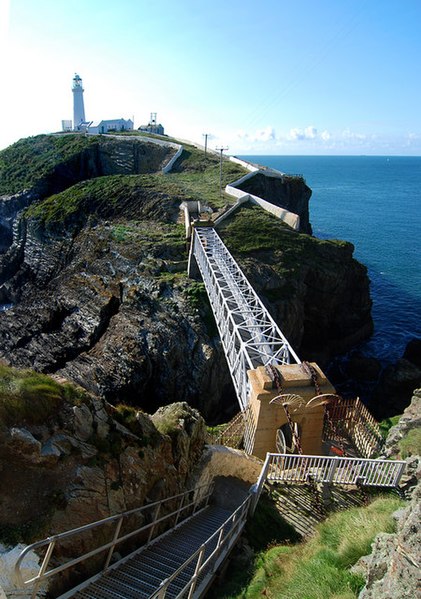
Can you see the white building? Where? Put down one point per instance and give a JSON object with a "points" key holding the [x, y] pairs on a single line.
{"points": [[79, 121], [66, 125], [109, 125]]}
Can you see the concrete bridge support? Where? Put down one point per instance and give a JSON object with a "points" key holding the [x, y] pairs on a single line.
{"points": [[269, 417]]}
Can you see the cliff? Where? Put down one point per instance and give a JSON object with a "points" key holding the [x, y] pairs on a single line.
{"points": [[392, 569], [96, 274], [68, 458], [289, 192]]}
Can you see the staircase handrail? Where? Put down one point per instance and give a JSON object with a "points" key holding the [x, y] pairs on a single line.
{"points": [[238, 519], [201, 495]]}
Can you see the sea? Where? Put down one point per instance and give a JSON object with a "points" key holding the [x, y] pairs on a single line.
{"points": [[375, 203]]}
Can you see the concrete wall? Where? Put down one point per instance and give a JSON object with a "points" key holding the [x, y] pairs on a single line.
{"points": [[248, 165], [290, 218], [167, 168]]}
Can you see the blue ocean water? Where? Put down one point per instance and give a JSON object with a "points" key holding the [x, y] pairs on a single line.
{"points": [[374, 202]]}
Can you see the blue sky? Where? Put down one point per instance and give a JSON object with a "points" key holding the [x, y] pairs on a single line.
{"points": [[268, 77]]}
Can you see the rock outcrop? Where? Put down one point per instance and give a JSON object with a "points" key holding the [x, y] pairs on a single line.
{"points": [[290, 192], [89, 461], [392, 569], [85, 461], [393, 391], [97, 278]]}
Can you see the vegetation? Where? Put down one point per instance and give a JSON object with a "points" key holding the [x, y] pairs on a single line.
{"points": [[267, 527], [29, 160], [411, 443], [104, 197], [137, 422], [254, 231], [198, 178], [31, 397], [386, 424], [320, 567], [168, 420]]}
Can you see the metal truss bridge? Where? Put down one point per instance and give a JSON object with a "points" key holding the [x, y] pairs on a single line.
{"points": [[249, 335]]}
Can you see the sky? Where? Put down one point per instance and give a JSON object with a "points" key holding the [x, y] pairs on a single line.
{"points": [[296, 77]]}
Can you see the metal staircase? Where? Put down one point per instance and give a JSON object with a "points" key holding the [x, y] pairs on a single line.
{"points": [[142, 574], [193, 539]]}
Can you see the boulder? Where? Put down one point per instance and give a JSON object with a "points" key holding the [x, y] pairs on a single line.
{"points": [[413, 352], [394, 390]]}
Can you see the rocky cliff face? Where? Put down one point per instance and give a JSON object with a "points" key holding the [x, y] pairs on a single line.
{"points": [[314, 289], [97, 278], [93, 157], [86, 461], [289, 192], [392, 569]]}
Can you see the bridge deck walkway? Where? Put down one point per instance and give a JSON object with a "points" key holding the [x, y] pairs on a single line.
{"points": [[141, 574]]}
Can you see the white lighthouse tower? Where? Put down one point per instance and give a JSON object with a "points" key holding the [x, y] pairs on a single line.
{"points": [[78, 107]]}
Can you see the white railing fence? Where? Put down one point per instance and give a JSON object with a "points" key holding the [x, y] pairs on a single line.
{"points": [[162, 514], [292, 468]]}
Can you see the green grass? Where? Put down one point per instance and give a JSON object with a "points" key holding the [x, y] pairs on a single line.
{"points": [[320, 567], [199, 178], [386, 424], [267, 527], [411, 444], [254, 232], [30, 397], [29, 160], [169, 419]]}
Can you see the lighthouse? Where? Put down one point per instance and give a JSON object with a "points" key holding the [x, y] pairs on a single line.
{"points": [[78, 107]]}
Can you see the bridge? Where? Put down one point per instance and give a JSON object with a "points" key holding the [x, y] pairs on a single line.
{"points": [[172, 548]]}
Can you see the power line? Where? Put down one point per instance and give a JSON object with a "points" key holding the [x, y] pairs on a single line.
{"points": [[206, 135], [220, 150]]}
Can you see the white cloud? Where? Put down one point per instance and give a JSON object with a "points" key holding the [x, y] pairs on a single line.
{"points": [[261, 135], [350, 135], [297, 134], [325, 135]]}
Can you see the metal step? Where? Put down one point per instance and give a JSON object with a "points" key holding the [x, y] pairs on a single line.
{"points": [[142, 574]]}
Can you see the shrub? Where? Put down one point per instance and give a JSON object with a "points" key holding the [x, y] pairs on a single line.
{"points": [[411, 443], [31, 397]]}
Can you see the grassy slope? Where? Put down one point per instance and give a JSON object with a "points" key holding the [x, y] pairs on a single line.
{"points": [[254, 232], [27, 161], [30, 397], [320, 567]]}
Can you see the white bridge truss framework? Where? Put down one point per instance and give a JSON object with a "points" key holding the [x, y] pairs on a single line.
{"points": [[250, 337]]}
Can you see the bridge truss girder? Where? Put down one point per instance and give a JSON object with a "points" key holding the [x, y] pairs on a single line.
{"points": [[249, 335]]}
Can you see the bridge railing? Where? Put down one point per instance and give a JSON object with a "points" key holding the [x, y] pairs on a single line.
{"points": [[249, 335], [188, 504], [203, 563], [332, 469], [350, 418], [293, 468]]}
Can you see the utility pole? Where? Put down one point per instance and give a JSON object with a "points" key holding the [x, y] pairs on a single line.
{"points": [[205, 135], [220, 150]]}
